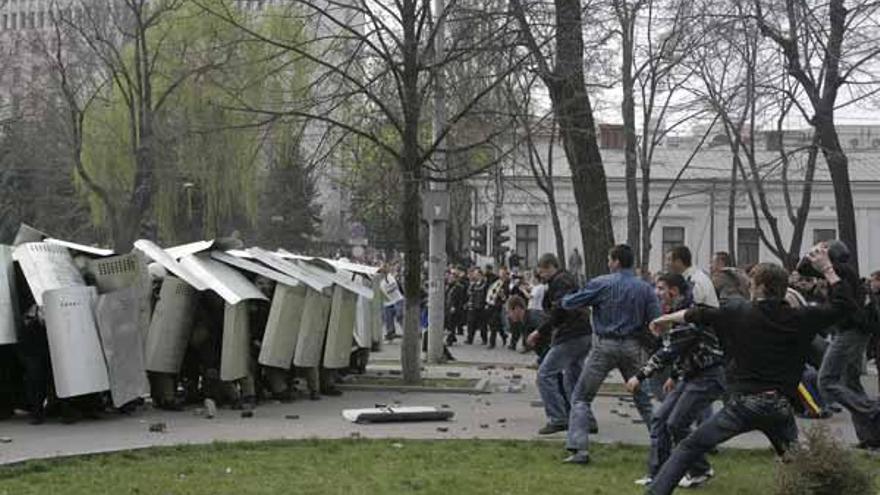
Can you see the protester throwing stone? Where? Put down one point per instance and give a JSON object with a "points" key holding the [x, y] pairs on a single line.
{"points": [[769, 342]]}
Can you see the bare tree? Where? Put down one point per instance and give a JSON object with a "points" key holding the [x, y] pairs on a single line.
{"points": [[741, 85], [376, 64], [829, 48], [563, 75]]}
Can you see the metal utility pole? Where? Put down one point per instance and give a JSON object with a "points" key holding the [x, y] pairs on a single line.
{"points": [[439, 201]]}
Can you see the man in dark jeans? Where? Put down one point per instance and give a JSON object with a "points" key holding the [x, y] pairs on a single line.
{"points": [[840, 373], [476, 306], [456, 303], [623, 305], [569, 334], [696, 381], [769, 342]]}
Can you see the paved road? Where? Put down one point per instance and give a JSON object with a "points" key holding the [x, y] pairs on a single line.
{"points": [[499, 415]]}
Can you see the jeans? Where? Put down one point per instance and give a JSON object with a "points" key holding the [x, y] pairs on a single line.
{"points": [[840, 381], [606, 355], [672, 421], [565, 359], [770, 414], [391, 314]]}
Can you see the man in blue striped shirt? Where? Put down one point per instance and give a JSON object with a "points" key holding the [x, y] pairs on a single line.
{"points": [[623, 305]]}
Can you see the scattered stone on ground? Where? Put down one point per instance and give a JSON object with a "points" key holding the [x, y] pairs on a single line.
{"points": [[5, 440], [292, 416], [442, 429], [453, 374], [157, 428], [502, 420], [247, 414]]}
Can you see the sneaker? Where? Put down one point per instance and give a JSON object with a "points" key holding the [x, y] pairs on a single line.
{"points": [[647, 480], [580, 458], [691, 481], [550, 429]]}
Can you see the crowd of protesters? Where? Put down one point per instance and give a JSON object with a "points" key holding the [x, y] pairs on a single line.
{"points": [[769, 343]]}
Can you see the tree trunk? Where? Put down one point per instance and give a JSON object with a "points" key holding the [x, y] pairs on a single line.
{"points": [[574, 113], [412, 198], [628, 110], [557, 226], [838, 166], [731, 212]]}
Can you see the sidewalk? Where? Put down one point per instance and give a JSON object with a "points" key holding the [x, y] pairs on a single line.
{"points": [[499, 415]]}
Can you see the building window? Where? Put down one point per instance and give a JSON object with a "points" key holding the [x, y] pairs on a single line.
{"points": [[747, 246], [42, 19], [820, 235], [672, 238], [13, 17], [527, 244], [5, 21]]}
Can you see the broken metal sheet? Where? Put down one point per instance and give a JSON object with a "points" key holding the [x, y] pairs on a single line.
{"points": [[397, 414], [282, 326], [120, 327], [226, 281], [9, 315], [340, 329], [257, 268], [315, 281], [26, 234], [184, 250], [339, 278], [80, 248], [171, 326], [312, 329], [78, 365], [235, 352], [47, 267], [160, 256]]}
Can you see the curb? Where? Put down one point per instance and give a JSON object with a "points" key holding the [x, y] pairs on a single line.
{"points": [[482, 387]]}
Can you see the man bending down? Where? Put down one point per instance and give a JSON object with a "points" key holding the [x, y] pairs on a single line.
{"points": [[769, 342]]}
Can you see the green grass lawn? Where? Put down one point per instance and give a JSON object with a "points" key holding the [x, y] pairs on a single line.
{"points": [[353, 467]]}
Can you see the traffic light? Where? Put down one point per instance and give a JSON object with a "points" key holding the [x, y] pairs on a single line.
{"points": [[499, 239], [478, 239]]}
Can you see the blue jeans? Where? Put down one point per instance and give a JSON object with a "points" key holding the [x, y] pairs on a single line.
{"points": [[672, 421], [840, 381], [565, 359], [606, 355], [769, 414], [391, 314]]}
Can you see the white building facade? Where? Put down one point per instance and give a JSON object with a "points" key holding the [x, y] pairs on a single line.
{"points": [[696, 214]]}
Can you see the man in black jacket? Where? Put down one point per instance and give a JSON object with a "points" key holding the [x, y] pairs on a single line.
{"points": [[840, 373], [456, 302], [570, 335], [476, 306], [769, 342]]}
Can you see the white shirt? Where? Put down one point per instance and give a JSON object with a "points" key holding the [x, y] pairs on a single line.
{"points": [[704, 289], [391, 289], [536, 298]]}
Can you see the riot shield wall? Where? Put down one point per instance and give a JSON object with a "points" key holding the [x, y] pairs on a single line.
{"points": [[235, 353], [313, 327], [340, 329], [119, 324], [9, 314], [171, 326], [282, 327], [376, 308], [226, 281], [120, 272], [78, 364], [47, 267]]}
